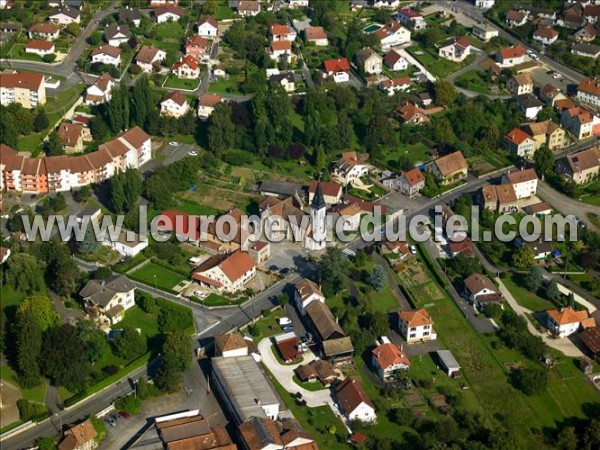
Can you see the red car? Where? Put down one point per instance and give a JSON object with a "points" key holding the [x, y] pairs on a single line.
{"points": [[124, 414]]}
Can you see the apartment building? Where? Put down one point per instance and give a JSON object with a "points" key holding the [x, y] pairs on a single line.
{"points": [[26, 88]]}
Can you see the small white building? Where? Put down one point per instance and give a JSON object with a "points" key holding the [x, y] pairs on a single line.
{"points": [[282, 33], [545, 35], [455, 49], [484, 32], [65, 16], [107, 54], [167, 13], [387, 359], [116, 34], [338, 69], [350, 167], [100, 91], [41, 48], [447, 362], [529, 105], [411, 18], [230, 345], [316, 36], [369, 61], [150, 58], [208, 28], [187, 67], [485, 4], [396, 85], [395, 61], [280, 50], [588, 91], [127, 243]]}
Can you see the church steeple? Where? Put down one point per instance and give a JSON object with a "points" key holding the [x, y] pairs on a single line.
{"points": [[318, 200]]}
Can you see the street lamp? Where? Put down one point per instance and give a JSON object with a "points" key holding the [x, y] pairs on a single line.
{"points": [[59, 421], [155, 287]]}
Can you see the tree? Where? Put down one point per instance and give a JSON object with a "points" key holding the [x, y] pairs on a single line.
{"points": [[64, 359], [445, 93], [28, 336], [333, 268], [167, 378], [567, 439], [94, 342], [552, 292], [176, 350], [54, 145], [82, 194], [531, 380], [133, 188], [98, 128], [73, 29], [465, 266], [221, 130], [591, 435], [173, 319], [378, 278], [523, 258], [116, 192], [41, 121], [42, 309], [544, 161], [45, 443], [24, 272], [534, 279], [129, 344], [89, 244], [8, 132]]}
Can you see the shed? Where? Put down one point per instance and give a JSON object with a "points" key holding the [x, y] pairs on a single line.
{"points": [[447, 362]]}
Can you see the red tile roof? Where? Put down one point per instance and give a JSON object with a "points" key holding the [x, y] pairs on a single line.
{"points": [[414, 176], [279, 30], [330, 189], [36, 44], [336, 65], [590, 86], [522, 176], [22, 80], [188, 61], [390, 354], [180, 223], [350, 394], [567, 315], [209, 100], [517, 136], [415, 317], [515, 51]]}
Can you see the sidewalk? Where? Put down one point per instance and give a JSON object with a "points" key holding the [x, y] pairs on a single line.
{"points": [[563, 345]]}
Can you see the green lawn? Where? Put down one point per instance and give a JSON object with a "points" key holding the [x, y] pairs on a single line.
{"points": [[181, 83], [590, 193], [154, 275], [228, 86], [438, 67], [219, 300], [36, 394], [417, 153], [524, 296], [135, 317], [169, 30], [474, 80], [312, 386], [583, 280], [191, 207]]}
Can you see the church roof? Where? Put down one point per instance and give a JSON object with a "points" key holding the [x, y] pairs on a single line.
{"points": [[318, 200]]}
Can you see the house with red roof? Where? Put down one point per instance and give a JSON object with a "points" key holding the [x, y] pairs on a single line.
{"points": [[394, 85], [416, 325], [411, 113], [455, 49], [40, 47], [332, 192], [184, 226], [167, 13], [228, 272], [282, 33], [387, 359], [353, 402], [588, 91], [545, 35], [196, 46], [280, 50], [395, 61], [411, 182], [511, 56], [411, 18], [186, 68], [174, 104], [338, 69], [519, 143], [524, 182], [580, 122], [567, 321], [393, 33]]}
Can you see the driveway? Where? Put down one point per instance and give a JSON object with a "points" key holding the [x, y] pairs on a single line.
{"points": [[563, 345], [284, 375]]}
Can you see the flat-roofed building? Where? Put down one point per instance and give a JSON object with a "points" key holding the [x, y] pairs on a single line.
{"points": [[244, 389]]}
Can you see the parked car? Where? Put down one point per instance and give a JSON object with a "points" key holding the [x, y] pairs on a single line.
{"points": [[124, 414], [413, 249], [174, 144], [193, 153], [284, 271], [274, 268]]}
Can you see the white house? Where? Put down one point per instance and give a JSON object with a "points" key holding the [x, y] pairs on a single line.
{"points": [[411, 182], [109, 298], [338, 69], [411, 18], [127, 243], [40, 47], [174, 104], [566, 321], [284, 79], [579, 121], [485, 4], [387, 4], [395, 61], [353, 402], [247, 8], [116, 34], [65, 16], [107, 54], [228, 272], [316, 36], [207, 103], [306, 292], [395, 85], [208, 28], [167, 13], [484, 32], [370, 61], [585, 49], [511, 56], [149, 58], [529, 105], [100, 91], [280, 50], [392, 34], [350, 167], [481, 291], [282, 33], [455, 49], [520, 84], [524, 182], [416, 325], [388, 358], [545, 35], [186, 68]]}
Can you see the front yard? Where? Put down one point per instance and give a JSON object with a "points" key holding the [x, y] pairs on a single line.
{"points": [[155, 275], [181, 83], [438, 67]]}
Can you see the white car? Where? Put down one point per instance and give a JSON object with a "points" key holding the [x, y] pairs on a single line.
{"points": [[199, 294], [193, 153], [413, 249], [174, 144], [556, 76], [534, 56]]}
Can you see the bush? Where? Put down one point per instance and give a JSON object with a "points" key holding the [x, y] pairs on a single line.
{"points": [[49, 58], [147, 303], [30, 410], [130, 404], [110, 370], [238, 158], [134, 69]]}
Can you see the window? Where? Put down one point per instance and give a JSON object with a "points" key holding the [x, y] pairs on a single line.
{"points": [[412, 335]]}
